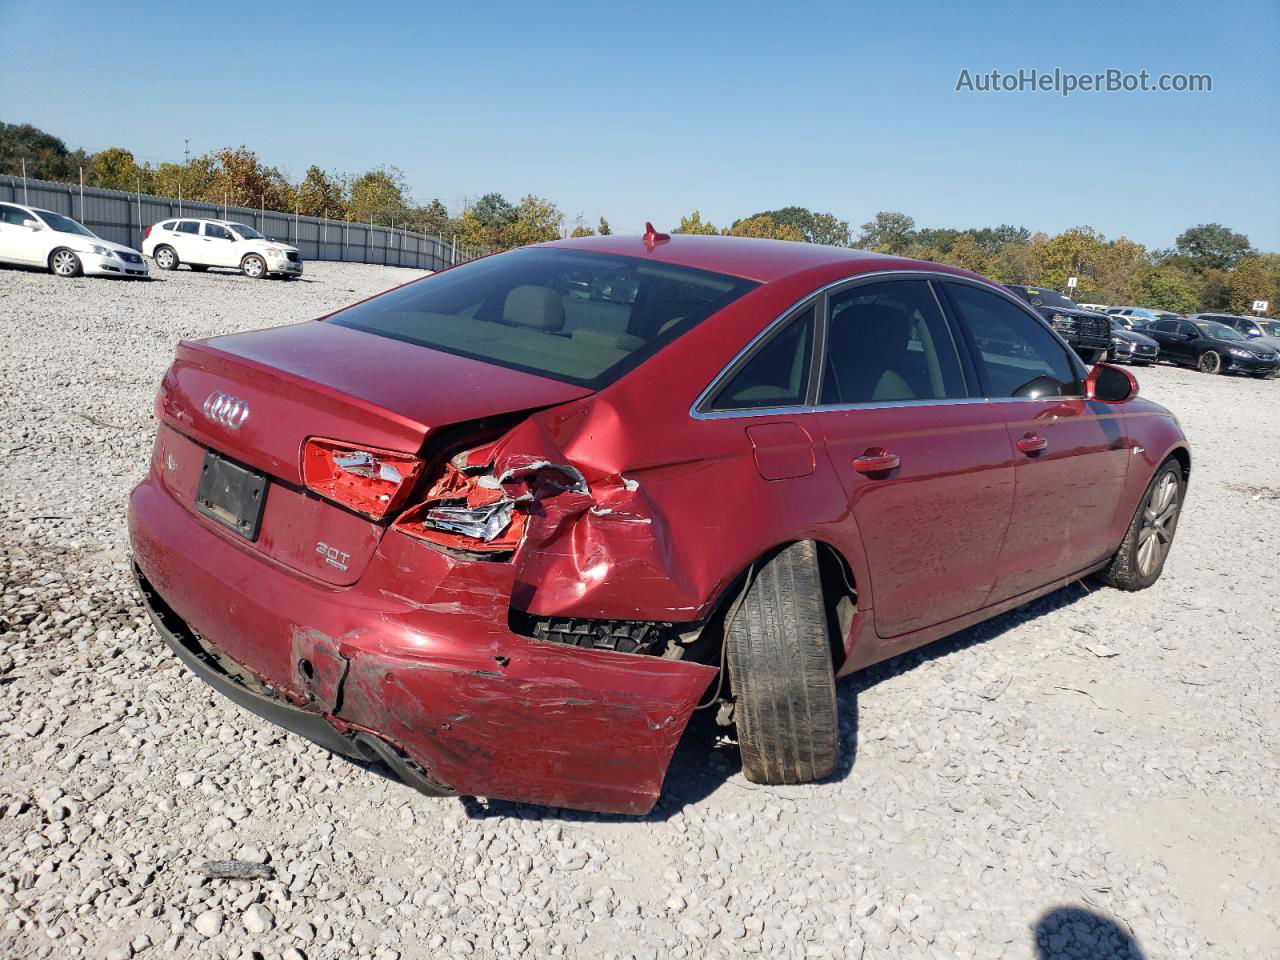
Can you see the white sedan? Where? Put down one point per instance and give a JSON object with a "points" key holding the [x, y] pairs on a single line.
{"points": [[33, 237]]}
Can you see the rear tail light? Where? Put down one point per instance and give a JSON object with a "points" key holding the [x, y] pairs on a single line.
{"points": [[147, 234], [466, 509], [367, 480]]}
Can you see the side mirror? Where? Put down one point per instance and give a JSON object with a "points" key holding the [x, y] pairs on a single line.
{"points": [[1110, 384], [31, 224]]}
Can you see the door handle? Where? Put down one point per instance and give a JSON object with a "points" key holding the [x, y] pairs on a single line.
{"points": [[1031, 443], [876, 460]]}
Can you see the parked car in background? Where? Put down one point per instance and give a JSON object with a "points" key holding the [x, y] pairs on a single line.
{"points": [[1211, 347], [1095, 307], [32, 237], [456, 528], [1143, 315], [1130, 345], [1257, 329], [1088, 332], [219, 243]]}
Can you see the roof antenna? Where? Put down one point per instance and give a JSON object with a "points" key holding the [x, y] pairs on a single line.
{"points": [[652, 237]]}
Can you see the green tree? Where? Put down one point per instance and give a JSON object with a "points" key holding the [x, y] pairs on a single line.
{"points": [[1213, 245], [580, 229], [322, 195], [432, 219], [1250, 281], [379, 195], [889, 232], [1168, 288], [695, 224], [603, 227], [46, 156], [1072, 253], [537, 221], [968, 255], [115, 169], [764, 226]]}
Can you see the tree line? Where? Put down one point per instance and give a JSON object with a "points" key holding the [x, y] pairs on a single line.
{"points": [[1209, 267]]}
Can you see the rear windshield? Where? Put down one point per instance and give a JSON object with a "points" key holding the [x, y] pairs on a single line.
{"points": [[583, 318]]}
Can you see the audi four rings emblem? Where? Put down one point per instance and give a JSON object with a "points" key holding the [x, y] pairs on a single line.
{"points": [[225, 409]]}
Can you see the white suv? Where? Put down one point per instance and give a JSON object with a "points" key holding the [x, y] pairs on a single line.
{"points": [[219, 243]]}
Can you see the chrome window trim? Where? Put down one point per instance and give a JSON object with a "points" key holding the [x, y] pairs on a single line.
{"points": [[823, 293]]}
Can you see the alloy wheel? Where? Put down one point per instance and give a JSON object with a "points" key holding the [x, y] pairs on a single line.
{"points": [[65, 263], [1210, 362], [253, 267], [1158, 520], [164, 259]]}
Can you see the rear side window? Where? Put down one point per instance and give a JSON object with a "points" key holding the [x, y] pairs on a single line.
{"points": [[168, 224], [777, 374], [1015, 353], [584, 318], [214, 230], [13, 215], [889, 342], [188, 226]]}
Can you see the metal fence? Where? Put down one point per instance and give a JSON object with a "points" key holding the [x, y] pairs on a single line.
{"points": [[124, 217]]}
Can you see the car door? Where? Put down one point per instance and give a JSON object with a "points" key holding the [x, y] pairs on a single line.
{"points": [[926, 463], [1173, 346], [219, 246], [22, 236], [187, 241], [1072, 454]]}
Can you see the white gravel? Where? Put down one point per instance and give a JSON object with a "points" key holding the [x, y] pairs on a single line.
{"points": [[1088, 777]]}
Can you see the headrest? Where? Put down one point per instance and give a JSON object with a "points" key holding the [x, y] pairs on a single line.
{"points": [[538, 307]]}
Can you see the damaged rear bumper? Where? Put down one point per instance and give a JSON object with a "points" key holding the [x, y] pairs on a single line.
{"points": [[419, 655]]}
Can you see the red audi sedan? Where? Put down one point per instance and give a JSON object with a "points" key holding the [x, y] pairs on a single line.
{"points": [[506, 527]]}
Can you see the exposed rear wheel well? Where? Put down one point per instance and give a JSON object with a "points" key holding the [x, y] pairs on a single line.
{"points": [[1183, 456]]}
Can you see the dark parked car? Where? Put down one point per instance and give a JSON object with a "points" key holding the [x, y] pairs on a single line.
{"points": [[506, 527], [1211, 347], [1088, 332], [1258, 330], [1129, 345]]}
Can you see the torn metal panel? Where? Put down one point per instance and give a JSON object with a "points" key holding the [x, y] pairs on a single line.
{"points": [[571, 728]]}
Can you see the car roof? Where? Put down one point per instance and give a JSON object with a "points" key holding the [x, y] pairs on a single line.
{"points": [[747, 257]]}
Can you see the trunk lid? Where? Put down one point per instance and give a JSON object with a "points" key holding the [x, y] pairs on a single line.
{"points": [[256, 397]]}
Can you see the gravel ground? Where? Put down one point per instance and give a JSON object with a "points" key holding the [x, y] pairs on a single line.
{"points": [[1094, 775]]}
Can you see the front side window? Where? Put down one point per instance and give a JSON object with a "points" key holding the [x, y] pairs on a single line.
{"points": [[777, 374], [889, 342], [1016, 354], [218, 231], [247, 232], [188, 226], [584, 318]]}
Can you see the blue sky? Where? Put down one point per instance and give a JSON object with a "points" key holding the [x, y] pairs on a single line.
{"points": [[647, 111]]}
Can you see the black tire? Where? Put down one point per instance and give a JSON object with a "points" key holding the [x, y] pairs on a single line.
{"points": [[778, 653], [199, 267], [1129, 569], [165, 257], [1209, 362], [254, 267], [64, 263]]}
